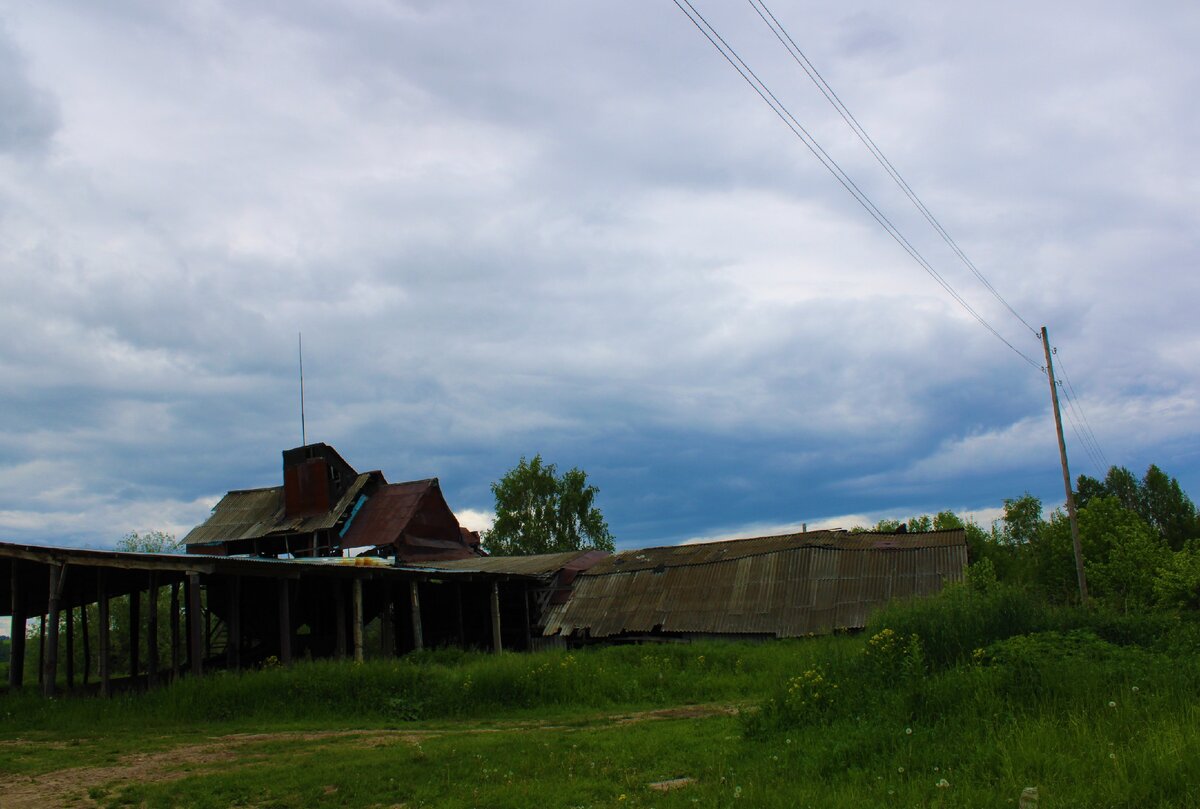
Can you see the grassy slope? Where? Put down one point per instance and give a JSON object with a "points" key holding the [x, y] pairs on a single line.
{"points": [[1031, 707]]}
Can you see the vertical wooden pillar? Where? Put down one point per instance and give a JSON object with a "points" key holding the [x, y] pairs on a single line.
{"points": [[174, 617], [233, 647], [135, 634], [458, 616], [339, 615], [50, 661], [152, 632], [387, 637], [194, 625], [496, 646], [357, 621], [70, 650], [414, 595], [41, 651], [285, 622], [87, 642], [206, 611], [16, 664], [104, 625], [528, 628]]}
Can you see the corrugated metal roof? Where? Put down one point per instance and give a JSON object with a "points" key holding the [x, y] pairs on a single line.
{"points": [[539, 565], [253, 513], [782, 586], [387, 514]]}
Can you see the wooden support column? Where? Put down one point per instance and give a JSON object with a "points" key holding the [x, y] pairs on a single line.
{"points": [[528, 628], [387, 637], [458, 616], [87, 643], [41, 651], [174, 616], [195, 625], [496, 645], [104, 625], [414, 595], [357, 620], [135, 634], [285, 622], [16, 665], [70, 624], [233, 646], [207, 612], [152, 632], [50, 661], [339, 616]]}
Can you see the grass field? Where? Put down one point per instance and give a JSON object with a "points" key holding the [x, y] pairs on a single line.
{"points": [[959, 701]]}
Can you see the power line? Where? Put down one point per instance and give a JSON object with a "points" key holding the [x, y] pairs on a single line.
{"points": [[1092, 456], [1074, 398], [750, 77], [781, 33]]}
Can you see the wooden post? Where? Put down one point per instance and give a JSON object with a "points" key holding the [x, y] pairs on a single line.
{"points": [[386, 636], [1062, 454], [103, 629], [206, 611], [339, 615], [233, 647], [175, 656], [16, 664], [135, 635], [195, 625], [70, 623], [41, 651], [357, 623], [458, 615], [50, 663], [418, 635], [528, 628], [285, 622], [496, 646], [152, 632], [87, 643]]}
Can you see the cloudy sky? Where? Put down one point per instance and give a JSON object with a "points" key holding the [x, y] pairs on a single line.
{"points": [[570, 228]]}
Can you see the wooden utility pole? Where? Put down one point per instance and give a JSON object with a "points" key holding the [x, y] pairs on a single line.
{"points": [[1062, 454]]}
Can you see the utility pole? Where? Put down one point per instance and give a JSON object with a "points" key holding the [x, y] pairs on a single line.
{"points": [[1062, 454]]}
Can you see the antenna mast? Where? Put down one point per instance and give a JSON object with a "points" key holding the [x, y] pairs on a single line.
{"points": [[303, 433]]}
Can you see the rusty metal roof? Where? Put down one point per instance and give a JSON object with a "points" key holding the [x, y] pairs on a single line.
{"points": [[253, 513], [388, 513], [543, 564], [785, 586]]}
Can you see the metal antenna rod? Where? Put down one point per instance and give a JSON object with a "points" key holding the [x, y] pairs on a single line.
{"points": [[303, 433]]}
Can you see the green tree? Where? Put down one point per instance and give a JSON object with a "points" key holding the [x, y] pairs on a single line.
{"points": [[150, 542], [540, 511]]}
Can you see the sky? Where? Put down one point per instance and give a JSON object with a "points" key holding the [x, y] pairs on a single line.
{"points": [[571, 229]]}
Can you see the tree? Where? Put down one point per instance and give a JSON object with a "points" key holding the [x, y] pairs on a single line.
{"points": [[150, 542], [539, 511]]}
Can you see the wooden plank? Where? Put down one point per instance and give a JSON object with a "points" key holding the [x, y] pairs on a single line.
{"points": [[104, 626], [87, 644], [16, 666], [174, 616], [70, 624]]}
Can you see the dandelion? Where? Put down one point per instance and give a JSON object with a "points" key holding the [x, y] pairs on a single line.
{"points": [[1112, 704], [1113, 756], [943, 784], [1135, 689], [789, 741], [737, 792], [900, 769], [908, 731], [621, 797]]}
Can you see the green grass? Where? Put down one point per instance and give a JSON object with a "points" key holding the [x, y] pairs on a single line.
{"points": [[995, 693]]}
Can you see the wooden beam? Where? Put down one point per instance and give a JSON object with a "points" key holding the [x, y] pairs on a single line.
{"points": [[70, 650], [103, 628], [496, 645], [16, 664], [135, 634], [233, 645], [339, 615], [87, 643], [152, 632], [357, 622], [285, 622], [174, 616], [194, 624], [50, 661], [418, 634]]}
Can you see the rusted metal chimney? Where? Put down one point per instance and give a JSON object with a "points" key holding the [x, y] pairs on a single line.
{"points": [[314, 477]]}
